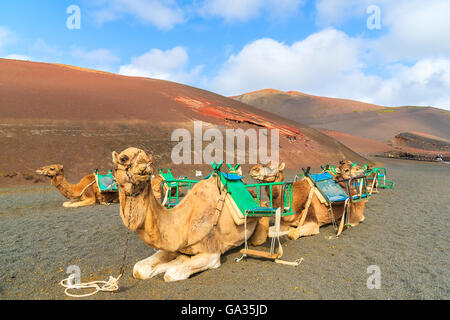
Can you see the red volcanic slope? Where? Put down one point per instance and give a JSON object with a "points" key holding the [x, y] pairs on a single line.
{"points": [[351, 117], [359, 144], [62, 114], [306, 106]]}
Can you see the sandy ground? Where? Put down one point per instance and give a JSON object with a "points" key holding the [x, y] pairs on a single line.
{"points": [[406, 234]]}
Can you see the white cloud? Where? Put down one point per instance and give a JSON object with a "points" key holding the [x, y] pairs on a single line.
{"points": [[330, 63], [17, 57], [99, 59], [162, 14], [417, 29], [244, 10], [413, 29], [165, 65], [426, 83], [336, 12], [264, 63], [7, 37]]}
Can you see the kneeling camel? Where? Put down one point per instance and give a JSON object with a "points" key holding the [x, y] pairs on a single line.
{"points": [[318, 213], [190, 237]]}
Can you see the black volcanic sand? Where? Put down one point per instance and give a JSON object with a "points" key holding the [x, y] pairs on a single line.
{"points": [[406, 233]]}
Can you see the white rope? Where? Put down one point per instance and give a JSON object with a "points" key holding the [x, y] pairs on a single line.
{"points": [[111, 285], [244, 255], [280, 247], [166, 196], [290, 263]]}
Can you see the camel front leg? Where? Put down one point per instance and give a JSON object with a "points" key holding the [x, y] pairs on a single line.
{"points": [[183, 266], [76, 204], [261, 232], [154, 265], [308, 229], [68, 203]]}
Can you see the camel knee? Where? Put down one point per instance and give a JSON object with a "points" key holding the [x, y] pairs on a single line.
{"points": [[153, 265], [261, 232]]}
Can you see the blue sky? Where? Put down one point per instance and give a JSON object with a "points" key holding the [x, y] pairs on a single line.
{"points": [[324, 47]]}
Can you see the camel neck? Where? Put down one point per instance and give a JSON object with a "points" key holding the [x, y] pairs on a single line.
{"points": [[276, 190], [63, 185], [146, 215]]}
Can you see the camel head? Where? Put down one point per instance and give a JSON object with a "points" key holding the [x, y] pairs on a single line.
{"points": [[267, 172], [51, 171], [346, 170], [133, 169]]}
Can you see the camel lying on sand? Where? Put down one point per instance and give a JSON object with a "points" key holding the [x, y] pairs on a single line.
{"points": [[317, 214], [190, 237], [84, 193]]}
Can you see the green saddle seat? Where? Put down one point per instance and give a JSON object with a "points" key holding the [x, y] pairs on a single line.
{"points": [[105, 182], [243, 198]]}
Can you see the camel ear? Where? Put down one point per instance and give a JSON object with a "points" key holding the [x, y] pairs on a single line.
{"points": [[150, 158], [281, 166], [115, 157]]}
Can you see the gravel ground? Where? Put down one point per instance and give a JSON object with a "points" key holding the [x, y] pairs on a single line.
{"points": [[406, 234]]}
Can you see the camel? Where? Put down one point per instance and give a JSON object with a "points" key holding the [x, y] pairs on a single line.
{"points": [[317, 214], [84, 193], [156, 185], [190, 237]]}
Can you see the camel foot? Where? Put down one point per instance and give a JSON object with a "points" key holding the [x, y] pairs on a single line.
{"points": [[282, 232], [67, 204], [294, 234], [154, 265], [257, 241], [183, 267], [308, 229], [76, 204]]}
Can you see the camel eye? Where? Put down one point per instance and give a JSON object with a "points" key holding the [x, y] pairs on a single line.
{"points": [[123, 159]]}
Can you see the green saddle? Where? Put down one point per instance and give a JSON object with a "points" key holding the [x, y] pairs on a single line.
{"points": [[241, 195], [105, 182]]}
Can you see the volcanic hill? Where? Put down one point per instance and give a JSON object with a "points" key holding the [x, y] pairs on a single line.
{"points": [[52, 113], [348, 121]]}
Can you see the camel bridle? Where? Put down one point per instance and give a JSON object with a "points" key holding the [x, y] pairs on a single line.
{"points": [[131, 178], [268, 172]]}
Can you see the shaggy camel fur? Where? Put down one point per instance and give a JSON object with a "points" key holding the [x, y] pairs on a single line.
{"points": [[317, 214], [191, 237], [84, 193]]}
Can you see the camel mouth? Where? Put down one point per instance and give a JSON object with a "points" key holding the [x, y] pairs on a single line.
{"points": [[256, 178]]}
